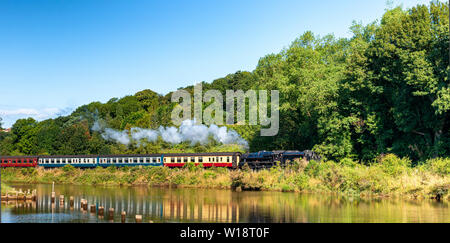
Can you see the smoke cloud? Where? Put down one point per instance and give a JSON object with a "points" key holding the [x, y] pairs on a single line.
{"points": [[187, 132]]}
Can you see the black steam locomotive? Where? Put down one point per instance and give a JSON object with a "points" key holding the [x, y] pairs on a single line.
{"points": [[268, 159]]}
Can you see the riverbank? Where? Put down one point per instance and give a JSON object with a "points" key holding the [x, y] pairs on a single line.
{"points": [[6, 189], [390, 176]]}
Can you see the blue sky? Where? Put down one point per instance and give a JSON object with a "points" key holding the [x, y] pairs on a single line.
{"points": [[57, 55]]}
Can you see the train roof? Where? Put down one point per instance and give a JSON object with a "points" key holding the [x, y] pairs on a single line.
{"points": [[66, 156], [127, 155], [261, 154], [202, 154], [18, 157]]}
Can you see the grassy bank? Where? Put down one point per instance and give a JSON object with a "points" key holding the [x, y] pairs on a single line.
{"points": [[6, 189], [390, 176]]}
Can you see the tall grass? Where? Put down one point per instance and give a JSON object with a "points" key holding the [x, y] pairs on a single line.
{"points": [[389, 176], [6, 189]]}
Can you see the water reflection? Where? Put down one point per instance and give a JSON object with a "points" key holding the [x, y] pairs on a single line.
{"points": [[197, 205]]}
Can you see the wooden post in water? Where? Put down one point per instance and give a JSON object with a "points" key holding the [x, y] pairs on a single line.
{"points": [[83, 204], [61, 200], [93, 209], [123, 217], [111, 214], [101, 211], [34, 196], [71, 201], [138, 218], [53, 193]]}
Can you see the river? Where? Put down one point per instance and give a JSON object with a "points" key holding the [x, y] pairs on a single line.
{"points": [[210, 206]]}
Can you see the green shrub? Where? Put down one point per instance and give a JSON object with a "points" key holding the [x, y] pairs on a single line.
{"points": [[158, 174], [28, 171], [68, 168], [209, 175], [236, 179], [348, 162], [178, 179], [315, 168], [301, 181], [112, 169], [439, 166], [190, 167], [393, 165]]}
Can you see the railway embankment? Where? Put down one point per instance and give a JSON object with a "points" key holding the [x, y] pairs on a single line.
{"points": [[390, 176]]}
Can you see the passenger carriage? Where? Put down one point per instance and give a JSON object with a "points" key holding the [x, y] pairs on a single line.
{"points": [[83, 161], [130, 160], [18, 161], [229, 160]]}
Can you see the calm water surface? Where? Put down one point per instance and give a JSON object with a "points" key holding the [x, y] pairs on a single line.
{"points": [[198, 205]]}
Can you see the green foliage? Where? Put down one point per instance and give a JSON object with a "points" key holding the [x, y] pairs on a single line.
{"points": [[68, 168], [347, 162], [439, 165], [28, 171], [393, 165], [190, 166]]}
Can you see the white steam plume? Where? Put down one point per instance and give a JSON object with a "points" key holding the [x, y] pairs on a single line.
{"points": [[187, 132]]}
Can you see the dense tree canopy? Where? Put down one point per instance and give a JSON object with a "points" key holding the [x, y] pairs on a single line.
{"points": [[384, 90]]}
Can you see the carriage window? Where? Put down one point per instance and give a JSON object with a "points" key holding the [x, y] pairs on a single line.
{"points": [[228, 159], [155, 160], [141, 160], [135, 160], [172, 160], [179, 160], [200, 159]]}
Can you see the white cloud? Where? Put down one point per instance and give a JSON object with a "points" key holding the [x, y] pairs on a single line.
{"points": [[10, 116]]}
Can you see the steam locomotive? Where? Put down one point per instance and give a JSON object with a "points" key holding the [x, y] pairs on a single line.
{"points": [[259, 160]]}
